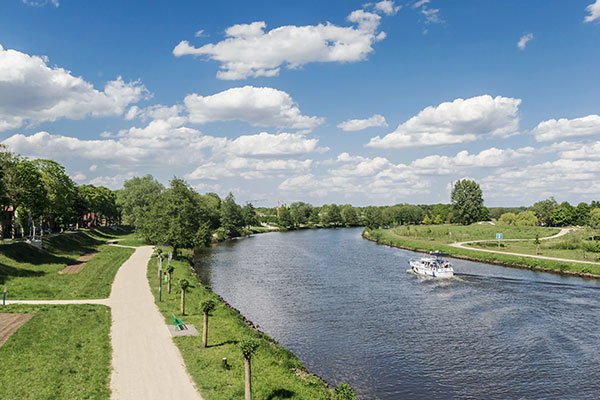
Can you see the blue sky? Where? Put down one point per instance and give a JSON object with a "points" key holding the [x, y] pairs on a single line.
{"points": [[346, 102]]}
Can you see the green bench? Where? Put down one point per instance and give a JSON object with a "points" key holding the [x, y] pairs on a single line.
{"points": [[179, 325]]}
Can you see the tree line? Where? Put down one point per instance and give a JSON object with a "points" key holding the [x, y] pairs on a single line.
{"points": [[37, 196], [549, 213]]}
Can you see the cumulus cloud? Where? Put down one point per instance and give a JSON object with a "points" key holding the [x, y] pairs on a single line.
{"points": [[259, 106], [387, 7], [566, 128], [266, 144], [523, 41], [250, 51], [32, 91], [456, 122], [360, 124], [588, 151], [594, 10]]}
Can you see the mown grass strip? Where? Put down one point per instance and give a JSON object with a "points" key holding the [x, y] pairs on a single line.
{"points": [[277, 372], [63, 352]]}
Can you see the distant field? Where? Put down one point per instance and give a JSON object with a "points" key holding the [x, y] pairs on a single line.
{"points": [[29, 273], [437, 237], [63, 352]]}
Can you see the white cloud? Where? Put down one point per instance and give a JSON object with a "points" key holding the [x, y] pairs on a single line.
{"points": [[420, 3], [387, 7], [456, 122], [266, 144], [93, 168], [523, 41], [432, 15], [248, 168], [112, 182], [249, 51], [360, 124], [594, 10], [40, 3], [259, 106], [565, 128], [32, 91], [582, 151]]}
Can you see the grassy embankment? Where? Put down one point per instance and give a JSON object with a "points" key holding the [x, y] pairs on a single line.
{"points": [[437, 237], [63, 352], [29, 273], [277, 373]]}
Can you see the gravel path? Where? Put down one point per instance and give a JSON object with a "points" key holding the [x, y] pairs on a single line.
{"points": [[563, 232], [146, 363]]}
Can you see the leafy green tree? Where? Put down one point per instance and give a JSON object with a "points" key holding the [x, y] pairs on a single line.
{"points": [[582, 214], [595, 218], [349, 216], [285, 218], [372, 217], [314, 217], [60, 191], [467, 201], [30, 193], [438, 220], [248, 348], [508, 218], [426, 220], [331, 215], [409, 214], [300, 212], [526, 218], [249, 215], [136, 197], [231, 217], [564, 214], [544, 210], [206, 307]]}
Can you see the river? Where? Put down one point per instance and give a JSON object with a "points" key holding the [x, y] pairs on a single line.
{"points": [[348, 309]]}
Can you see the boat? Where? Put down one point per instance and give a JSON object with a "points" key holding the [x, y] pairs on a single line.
{"points": [[432, 265]]}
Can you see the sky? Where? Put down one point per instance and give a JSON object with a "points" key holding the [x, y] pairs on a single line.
{"points": [[325, 102]]}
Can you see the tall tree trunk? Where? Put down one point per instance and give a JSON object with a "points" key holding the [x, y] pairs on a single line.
{"points": [[169, 283], [205, 330], [248, 374], [182, 301]]}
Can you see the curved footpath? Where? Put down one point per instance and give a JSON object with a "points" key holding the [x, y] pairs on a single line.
{"points": [[461, 245], [146, 363]]}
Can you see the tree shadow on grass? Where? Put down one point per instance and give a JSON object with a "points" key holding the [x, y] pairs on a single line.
{"points": [[224, 343], [280, 394], [7, 272], [24, 253]]}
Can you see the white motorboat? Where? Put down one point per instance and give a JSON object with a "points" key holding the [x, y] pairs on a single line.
{"points": [[432, 265]]}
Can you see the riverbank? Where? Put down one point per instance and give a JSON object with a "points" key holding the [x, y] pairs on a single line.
{"points": [[277, 372], [425, 243]]}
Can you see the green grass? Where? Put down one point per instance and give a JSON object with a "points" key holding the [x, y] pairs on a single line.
{"points": [[63, 352], [435, 237], [29, 273], [277, 373]]}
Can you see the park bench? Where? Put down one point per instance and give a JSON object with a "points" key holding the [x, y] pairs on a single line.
{"points": [[179, 325]]}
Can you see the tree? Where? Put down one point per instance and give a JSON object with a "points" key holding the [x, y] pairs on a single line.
{"points": [[526, 218], [231, 216], [249, 215], [285, 217], [60, 191], [183, 285], [248, 347], [426, 220], [206, 307], [314, 217], [372, 217], [595, 220], [30, 193], [170, 270], [564, 214], [467, 201], [438, 220], [544, 210], [349, 216], [136, 197], [582, 214], [300, 212]]}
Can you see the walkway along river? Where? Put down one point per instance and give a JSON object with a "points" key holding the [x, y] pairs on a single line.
{"points": [[349, 310]]}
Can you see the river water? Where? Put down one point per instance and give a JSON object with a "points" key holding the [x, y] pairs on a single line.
{"points": [[350, 311]]}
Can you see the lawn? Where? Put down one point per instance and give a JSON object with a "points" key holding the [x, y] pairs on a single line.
{"points": [[277, 373], [63, 352], [29, 273], [436, 237]]}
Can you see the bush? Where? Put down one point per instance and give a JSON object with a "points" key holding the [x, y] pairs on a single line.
{"points": [[343, 391]]}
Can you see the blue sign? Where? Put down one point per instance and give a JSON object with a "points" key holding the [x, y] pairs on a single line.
{"points": [[498, 236]]}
